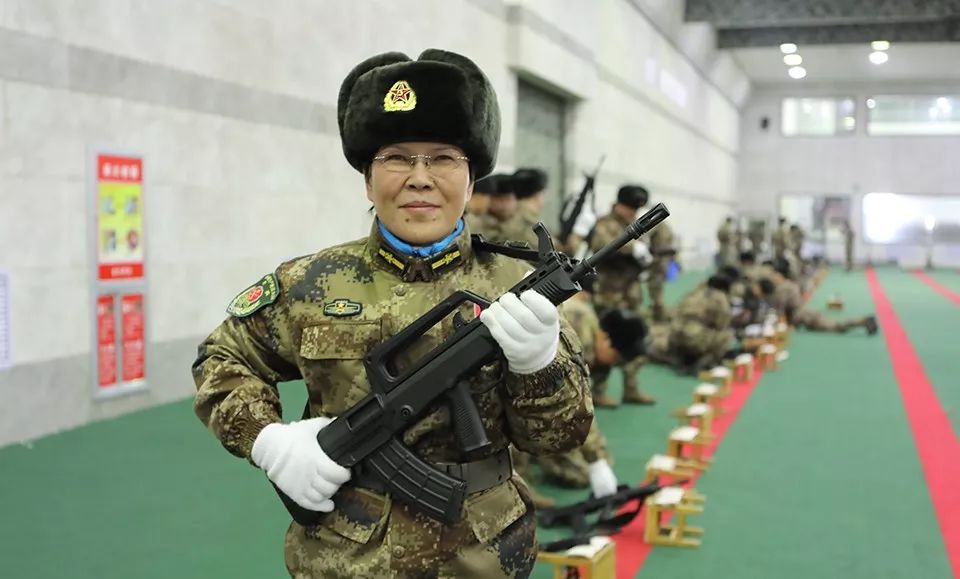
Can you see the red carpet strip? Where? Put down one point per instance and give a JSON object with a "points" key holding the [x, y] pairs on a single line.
{"points": [[937, 446], [938, 287]]}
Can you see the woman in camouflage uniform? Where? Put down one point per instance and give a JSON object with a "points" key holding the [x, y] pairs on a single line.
{"points": [[421, 132]]}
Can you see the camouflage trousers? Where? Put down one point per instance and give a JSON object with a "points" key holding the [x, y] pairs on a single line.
{"points": [[367, 535], [656, 279], [817, 322]]}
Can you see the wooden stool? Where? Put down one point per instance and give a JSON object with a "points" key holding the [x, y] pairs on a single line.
{"points": [[767, 357], [719, 375], [783, 335], [682, 502], [702, 414], [594, 561], [675, 468], [706, 393], [688, 436], [742, 367]]}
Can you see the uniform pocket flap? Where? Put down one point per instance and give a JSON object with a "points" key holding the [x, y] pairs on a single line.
{"points": [[356, 515], [342, 340], [492, 511]]}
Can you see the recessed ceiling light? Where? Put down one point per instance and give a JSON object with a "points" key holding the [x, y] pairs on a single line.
{"points": [[880, 44], [871, 103], [797, 72], [788, 48], [878, 57], [792, 59]]}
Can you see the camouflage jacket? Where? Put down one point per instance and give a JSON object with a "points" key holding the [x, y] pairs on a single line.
{"points": [[520, 226], [333, 306], [787, 298], [706, 306], [618, 278], [583, 319]]}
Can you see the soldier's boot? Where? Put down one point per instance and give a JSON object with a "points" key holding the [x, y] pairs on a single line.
{"points": [[631, 387], [567, 470], [600, 398], [870, 323]]}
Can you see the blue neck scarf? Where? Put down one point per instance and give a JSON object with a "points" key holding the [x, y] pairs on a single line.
{"points": [[419, 251]]}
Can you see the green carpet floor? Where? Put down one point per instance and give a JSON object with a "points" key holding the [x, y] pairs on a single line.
{"points": [[817, 478]]}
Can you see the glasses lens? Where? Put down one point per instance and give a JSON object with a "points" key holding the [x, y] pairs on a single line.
{"points": [[444, 163], [396, 163]]}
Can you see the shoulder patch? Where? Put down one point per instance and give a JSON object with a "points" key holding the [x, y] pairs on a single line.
{"points": [[263, 293], [342, 308]]}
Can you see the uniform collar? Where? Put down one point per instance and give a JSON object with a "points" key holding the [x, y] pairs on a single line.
{"points": [[619, 219], [410, 268]]}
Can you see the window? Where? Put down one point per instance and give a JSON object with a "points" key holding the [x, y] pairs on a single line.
{"points": [[898, 218], [913, 115], [802, 117]]}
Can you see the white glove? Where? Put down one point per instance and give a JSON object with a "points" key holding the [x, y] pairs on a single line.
{"points": [[526, 328], [293, 460], [602, 480], [641, 252], [584, 222]]}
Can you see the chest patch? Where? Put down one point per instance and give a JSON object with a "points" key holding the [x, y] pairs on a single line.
{"points": [[342, 308]]}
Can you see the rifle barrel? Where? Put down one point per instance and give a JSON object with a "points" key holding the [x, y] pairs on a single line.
{"points": [[645, 223]]}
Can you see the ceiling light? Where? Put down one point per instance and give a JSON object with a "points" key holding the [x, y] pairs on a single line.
{"points": [[871, 103], [792, 59], [879, 57], [788, 48], [797, 72], [880, 44]]}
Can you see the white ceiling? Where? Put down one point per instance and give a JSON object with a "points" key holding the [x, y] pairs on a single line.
{"points": [[927, 62]]}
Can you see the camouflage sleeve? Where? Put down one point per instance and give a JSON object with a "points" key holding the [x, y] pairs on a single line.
{"points": [[606, 231], [595, 446], [550, 411], [236, 372]]}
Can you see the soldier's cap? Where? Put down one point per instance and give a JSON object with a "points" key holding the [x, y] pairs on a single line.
{"points": [[441, 97], [782, 266], [487, 186], [504, 184], [528, 181], [627, 332], [634, 196], [719, 282], [731, 272], [748, 257], [766, 286]]}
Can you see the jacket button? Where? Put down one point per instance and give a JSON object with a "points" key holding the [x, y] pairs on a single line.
{"points": [[399, 551], [400, 290]]}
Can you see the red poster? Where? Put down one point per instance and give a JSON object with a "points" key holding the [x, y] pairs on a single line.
{"points": [[131, 308], [106, 342], [119, 227]]}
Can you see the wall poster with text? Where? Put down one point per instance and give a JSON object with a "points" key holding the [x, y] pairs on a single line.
{"points": [[120, 346]]}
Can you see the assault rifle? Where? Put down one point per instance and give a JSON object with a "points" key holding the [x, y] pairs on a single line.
{"points": [[571, 209], [608, 521], [368, 434]]}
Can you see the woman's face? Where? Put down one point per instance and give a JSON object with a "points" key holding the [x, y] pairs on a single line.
{"points": [[420, 205]]}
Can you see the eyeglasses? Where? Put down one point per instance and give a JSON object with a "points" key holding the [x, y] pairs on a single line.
{"points": [[436, 164]]}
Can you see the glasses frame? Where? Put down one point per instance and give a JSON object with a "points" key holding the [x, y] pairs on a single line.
{"points": [[412, 160]]}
